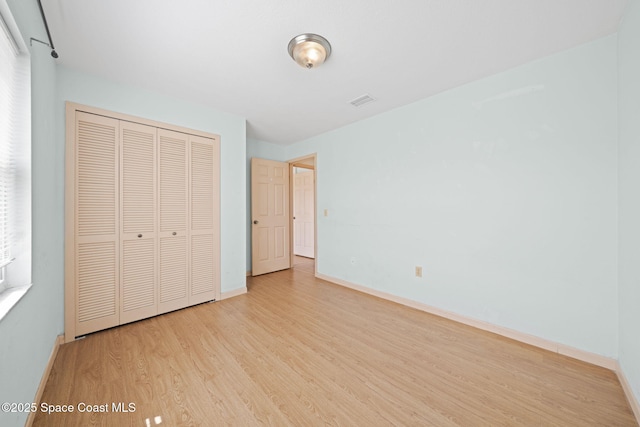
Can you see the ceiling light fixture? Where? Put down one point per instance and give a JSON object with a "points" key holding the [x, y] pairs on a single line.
{"points": [[309, 50]]}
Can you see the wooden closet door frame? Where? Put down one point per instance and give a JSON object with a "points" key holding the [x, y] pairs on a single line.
{"points": [[69, 287]]}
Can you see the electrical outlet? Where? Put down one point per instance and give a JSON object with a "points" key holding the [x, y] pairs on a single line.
{"points": [[418, 271]]}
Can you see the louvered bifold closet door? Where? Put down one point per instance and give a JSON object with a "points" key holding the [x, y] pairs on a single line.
{"points": [[139, 234], [204, 221], [173, 214], [95, 262]]}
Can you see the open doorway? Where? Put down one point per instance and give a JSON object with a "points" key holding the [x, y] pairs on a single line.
{"points": [[303, 208], [303, 191]]}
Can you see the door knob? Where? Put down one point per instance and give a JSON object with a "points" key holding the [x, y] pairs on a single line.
{"points": [[139, 235], [255, 221], [174, 233]]}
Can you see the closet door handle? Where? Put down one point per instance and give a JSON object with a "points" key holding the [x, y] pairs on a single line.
{"points": [[255, 222], [174, 233], [139, 235]]}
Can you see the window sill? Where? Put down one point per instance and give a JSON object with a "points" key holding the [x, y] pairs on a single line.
{"points": [[10, 297]]}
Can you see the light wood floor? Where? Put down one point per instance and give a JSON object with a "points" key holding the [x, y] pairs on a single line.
{"points": [[300, 351]]}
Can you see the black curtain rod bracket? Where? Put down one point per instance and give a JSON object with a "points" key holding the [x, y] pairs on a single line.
{"points": [[46, 27]]}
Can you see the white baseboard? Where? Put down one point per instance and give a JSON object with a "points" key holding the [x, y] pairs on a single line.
{"points": [[585, 356], [628, 391], [233, 293], [45, 377]]}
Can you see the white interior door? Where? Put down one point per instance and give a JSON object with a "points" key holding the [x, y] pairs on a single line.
{"points": [[270, 250], [303, 214]]}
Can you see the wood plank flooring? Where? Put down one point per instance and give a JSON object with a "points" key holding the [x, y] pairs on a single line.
{"points": [[298, 351]]}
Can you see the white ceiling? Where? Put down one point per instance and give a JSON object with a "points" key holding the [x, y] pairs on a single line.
{"points": [[232, 54]]}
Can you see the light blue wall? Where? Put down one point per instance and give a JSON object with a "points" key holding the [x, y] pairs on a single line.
{"points": [[629, 176], [93, 91], [263, 150], [29, 330], [503, 190]]}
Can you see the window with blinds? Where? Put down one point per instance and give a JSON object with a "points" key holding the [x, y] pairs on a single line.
{"points": [[15, 159]]}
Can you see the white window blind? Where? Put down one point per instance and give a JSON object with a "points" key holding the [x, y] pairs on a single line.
{"points": [[15, 155]]}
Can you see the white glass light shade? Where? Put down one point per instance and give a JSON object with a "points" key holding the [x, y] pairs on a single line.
{"points": [[309, 50]]}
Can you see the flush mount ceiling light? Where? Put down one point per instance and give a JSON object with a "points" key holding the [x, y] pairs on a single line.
{"points": [[309, 50]]}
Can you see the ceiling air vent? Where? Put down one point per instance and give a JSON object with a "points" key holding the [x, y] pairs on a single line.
{"points": [[361, 100]]}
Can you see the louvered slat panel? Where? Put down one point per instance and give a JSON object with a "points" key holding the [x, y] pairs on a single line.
{"points": [[173, 279], [173, 269], [202, 264], [202, 186], [138, 175], [138, 269], [204, 219], [173, 182], [138, 218], [96, 279], [97, 185]]}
